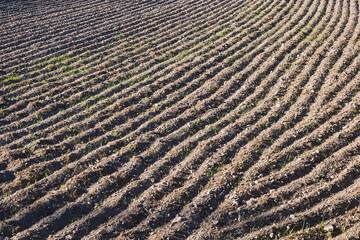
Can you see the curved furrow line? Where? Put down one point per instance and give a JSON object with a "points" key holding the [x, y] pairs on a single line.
{"points": [[70, 103], [167, 166], [197, 139], [267, 200], [78, 46], [55, 7], [321, 183], [189, 217], [132, 30], [320, 135], [76, 17], [39, 110], [305, 127], [306, 162], [215, 194], [179, 119], [346, 114], [332, 227], [257, 194], [31, 27], [340, 202], [342, 99], [15, 21], [81, 33], [128, 33], [313, 219], [105, 44], [112, 40]]}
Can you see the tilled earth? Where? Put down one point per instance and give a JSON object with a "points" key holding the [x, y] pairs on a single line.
{"points": [[179, 119]]}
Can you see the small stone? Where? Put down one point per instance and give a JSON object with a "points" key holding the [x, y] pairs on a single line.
{"points": [[328, 228], [177, 219], [223, 131], [69, 237]]}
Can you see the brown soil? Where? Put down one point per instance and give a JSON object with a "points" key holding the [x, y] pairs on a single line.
{"points": [[180, 119]]}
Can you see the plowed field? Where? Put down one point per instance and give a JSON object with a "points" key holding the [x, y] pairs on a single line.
{"points": [[179, 119]]}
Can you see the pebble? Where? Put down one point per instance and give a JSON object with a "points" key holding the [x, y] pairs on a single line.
{"points": [[69, 237], [328, 228], [177, 219]]}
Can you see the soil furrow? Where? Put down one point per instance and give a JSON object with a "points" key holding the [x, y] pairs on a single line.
{"points": [[179, 119]]}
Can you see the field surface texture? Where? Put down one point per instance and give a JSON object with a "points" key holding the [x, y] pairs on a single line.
{"points": [[179, 119]]}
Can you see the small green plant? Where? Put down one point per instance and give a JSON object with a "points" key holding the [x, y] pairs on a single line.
{"points": [[11, 79]]}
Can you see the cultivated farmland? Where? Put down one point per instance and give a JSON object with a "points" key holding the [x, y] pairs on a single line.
{"points": [[179, 119]]}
